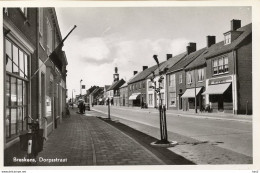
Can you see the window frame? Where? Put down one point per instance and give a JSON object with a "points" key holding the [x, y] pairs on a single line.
{"points": [[221, 66]]}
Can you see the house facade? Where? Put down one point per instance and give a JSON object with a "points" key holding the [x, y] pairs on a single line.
{"points": [[124, 95], [229, 72], [35, 85]]}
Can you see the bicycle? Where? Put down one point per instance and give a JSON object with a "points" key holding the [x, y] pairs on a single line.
{"points": [[32, 141]]}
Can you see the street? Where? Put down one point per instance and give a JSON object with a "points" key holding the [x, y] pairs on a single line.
{"points": [[225, 135]]}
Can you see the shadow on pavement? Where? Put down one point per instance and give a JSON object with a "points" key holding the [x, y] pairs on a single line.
{"points": [[167, 156]]}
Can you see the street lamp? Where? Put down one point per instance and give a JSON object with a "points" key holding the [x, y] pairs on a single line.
{"points": [[80, 86], [72, 98], [162, 110]]}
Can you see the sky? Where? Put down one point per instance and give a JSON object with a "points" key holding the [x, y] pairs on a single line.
{"points": [[128, 37]]}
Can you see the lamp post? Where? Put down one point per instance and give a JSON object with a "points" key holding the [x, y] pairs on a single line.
{"points": [[72, 98], [108, 108], [80, 86]]}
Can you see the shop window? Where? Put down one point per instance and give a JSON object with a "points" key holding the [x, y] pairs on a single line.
{"points": [[16, 60], [16, 90], [150, 99]]}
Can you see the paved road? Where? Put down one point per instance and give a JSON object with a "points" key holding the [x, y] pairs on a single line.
{"points": [[87, 140], [233, 135]]}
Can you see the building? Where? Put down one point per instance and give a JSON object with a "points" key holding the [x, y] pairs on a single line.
{"points": [[160, 74], [106, 93], [124, 95], [137, 87], [35, 84], [113, 91], [196, 79], [229, 71], [181, 98]]}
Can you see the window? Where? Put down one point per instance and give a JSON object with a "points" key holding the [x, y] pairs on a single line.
{"points": [[220, 65], [180, 78], [16, 60], [150, 101], [172, 80], [227, 39], [200, 74], [172, 98], [143, 84], [41, 26], [162, 84], [49, 37], [16, 90], [150, 84], [225, 64], [189, 77]]}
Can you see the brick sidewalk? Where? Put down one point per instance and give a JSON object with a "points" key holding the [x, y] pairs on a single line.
{"points": [[87, 140]]}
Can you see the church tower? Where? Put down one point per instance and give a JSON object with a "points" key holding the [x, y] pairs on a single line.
{"points": [[116, 75]]}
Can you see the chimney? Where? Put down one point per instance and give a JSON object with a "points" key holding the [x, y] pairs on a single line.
{"points": [[145, 67], [135, 72], [191, 48], [235, 24], [211, 40], [168, 56]]}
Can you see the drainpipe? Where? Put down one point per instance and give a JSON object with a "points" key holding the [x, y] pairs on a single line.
{"points": [[235, 100]]}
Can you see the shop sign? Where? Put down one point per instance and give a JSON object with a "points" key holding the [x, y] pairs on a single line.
{"points": [[220, 80]]}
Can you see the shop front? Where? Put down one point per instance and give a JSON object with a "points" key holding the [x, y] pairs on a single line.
{"points": [[220, 96], [188, 99], [135, 99]]}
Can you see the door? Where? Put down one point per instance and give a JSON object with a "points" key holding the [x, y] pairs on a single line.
{"points": [[220, 103]]}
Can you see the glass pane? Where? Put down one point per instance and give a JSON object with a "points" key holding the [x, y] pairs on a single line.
{"points": [[15, 54], [20, 92], [13, 92], [220, 61], [8, 51], [24, 93], [26, 64], [21, 63], [20, 119], [24, 115], [13, 120], [226, 60], [7, 123], [15, 69], [8, 97], [215, 63]]}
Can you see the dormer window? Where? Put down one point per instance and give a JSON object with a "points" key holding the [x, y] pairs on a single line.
{"points": [[227, 39]]}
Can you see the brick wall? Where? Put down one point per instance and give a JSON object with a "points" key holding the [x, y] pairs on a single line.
{"points": [[244, 76]]}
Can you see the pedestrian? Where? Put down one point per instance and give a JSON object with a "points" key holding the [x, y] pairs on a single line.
{"points": [[84, 107]]}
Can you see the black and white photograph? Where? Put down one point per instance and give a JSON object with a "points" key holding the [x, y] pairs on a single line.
{"points": [[128, 86]]}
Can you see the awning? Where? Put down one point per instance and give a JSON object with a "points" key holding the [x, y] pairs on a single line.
{"points": [[190, 93], [217, 89], [134, 96]]}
